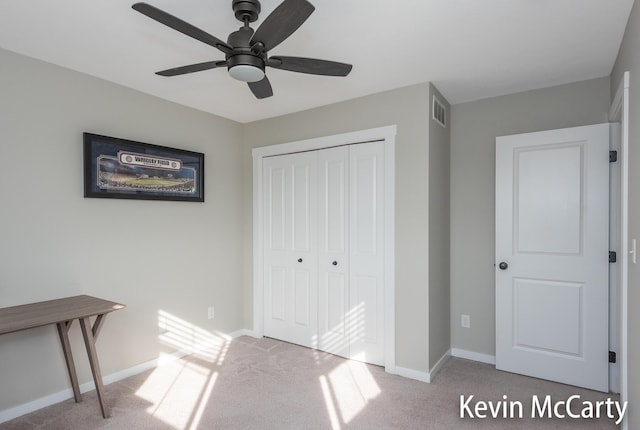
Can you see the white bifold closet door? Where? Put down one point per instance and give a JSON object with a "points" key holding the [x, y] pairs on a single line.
{"points": [[338, 206], [291, 251]]}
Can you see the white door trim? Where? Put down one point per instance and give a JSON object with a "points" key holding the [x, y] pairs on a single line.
{"points": [[387, 135], [619, 112]]}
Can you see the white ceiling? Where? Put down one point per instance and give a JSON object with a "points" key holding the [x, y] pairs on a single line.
{"points": [[470, 49]]}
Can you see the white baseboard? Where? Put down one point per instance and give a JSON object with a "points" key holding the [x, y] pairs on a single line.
{"points": [[61, 396], [417, 374], [245, 332], [436, 367], [409, 373], [25, 408], [475, 356]]}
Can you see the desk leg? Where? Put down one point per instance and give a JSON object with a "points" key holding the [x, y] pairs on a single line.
{"points": [[90, 343], [63, 332]]}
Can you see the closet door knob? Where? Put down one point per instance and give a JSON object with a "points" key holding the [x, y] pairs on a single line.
{"points": [[503, 265], [335, 263], [299, 260]]}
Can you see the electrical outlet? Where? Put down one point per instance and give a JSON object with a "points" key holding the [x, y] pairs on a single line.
{"points": [[210, 312], [465, 321]]}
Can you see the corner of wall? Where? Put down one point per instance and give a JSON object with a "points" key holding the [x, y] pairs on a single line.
{"points": [[439, 227]]}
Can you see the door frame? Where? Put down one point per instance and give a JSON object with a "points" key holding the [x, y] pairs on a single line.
{"points": [[619, 112], [385, 134]]}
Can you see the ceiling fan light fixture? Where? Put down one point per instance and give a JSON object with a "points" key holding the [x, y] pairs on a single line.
{"points": [[246, 73], [246, 67]]}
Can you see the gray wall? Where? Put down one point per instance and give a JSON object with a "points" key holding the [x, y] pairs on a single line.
{"points": [[408, 108], [475, 126], [629, 60], [56, 243], [439, 238], [171, 256]]}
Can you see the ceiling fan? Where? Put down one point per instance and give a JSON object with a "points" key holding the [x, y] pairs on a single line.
{"points": [[246, 50]]}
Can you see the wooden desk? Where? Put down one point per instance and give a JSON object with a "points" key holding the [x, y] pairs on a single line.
{"points": [[62, 312]]}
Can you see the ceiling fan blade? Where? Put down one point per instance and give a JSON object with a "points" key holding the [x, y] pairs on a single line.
{"points": [[181, 26], [282, 22], [261, 89], [191, 68], [310, 65]]}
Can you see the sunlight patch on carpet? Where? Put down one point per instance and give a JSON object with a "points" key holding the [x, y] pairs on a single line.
{"points": [[179, 390], [347, 390]]}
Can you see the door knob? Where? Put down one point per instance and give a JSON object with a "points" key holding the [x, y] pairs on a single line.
{"points": [[335, 263], [299, 260], [503, 265]]}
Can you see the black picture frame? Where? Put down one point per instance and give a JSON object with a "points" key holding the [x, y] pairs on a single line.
{"points": [[117, 168]]}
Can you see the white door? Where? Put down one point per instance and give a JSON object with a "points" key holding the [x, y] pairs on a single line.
{"points": [[290, 248], [366, 252], [552, 223], [351, 251], [324, 250], [333, 250]]}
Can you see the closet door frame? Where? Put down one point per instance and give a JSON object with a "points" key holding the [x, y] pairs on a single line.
{"points": [[387, 136]]}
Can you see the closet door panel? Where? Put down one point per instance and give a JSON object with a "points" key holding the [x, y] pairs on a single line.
{"points": [[275, 209], [365, 293], [290, 254], [302, 298], [303, 206], [366, 239], [364, 204], [333, 257], [278, 288]]}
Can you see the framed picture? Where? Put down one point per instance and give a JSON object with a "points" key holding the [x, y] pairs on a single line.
{"points": [[124, 169]]}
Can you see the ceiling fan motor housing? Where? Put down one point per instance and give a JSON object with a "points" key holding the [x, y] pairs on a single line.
{"points": [[244, 64], [246, 10]]}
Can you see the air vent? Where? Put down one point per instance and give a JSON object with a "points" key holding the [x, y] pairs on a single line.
{"points": [[439, 112]]}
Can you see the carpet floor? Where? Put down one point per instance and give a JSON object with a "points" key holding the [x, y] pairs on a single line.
{"points": [[252, 383]]}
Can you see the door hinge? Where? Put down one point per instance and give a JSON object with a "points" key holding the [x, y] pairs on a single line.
{"points": [[613, 257], [613, 156], [612, 357]]}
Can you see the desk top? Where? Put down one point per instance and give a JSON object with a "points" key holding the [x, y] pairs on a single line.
{"points": [[16, 318]]}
